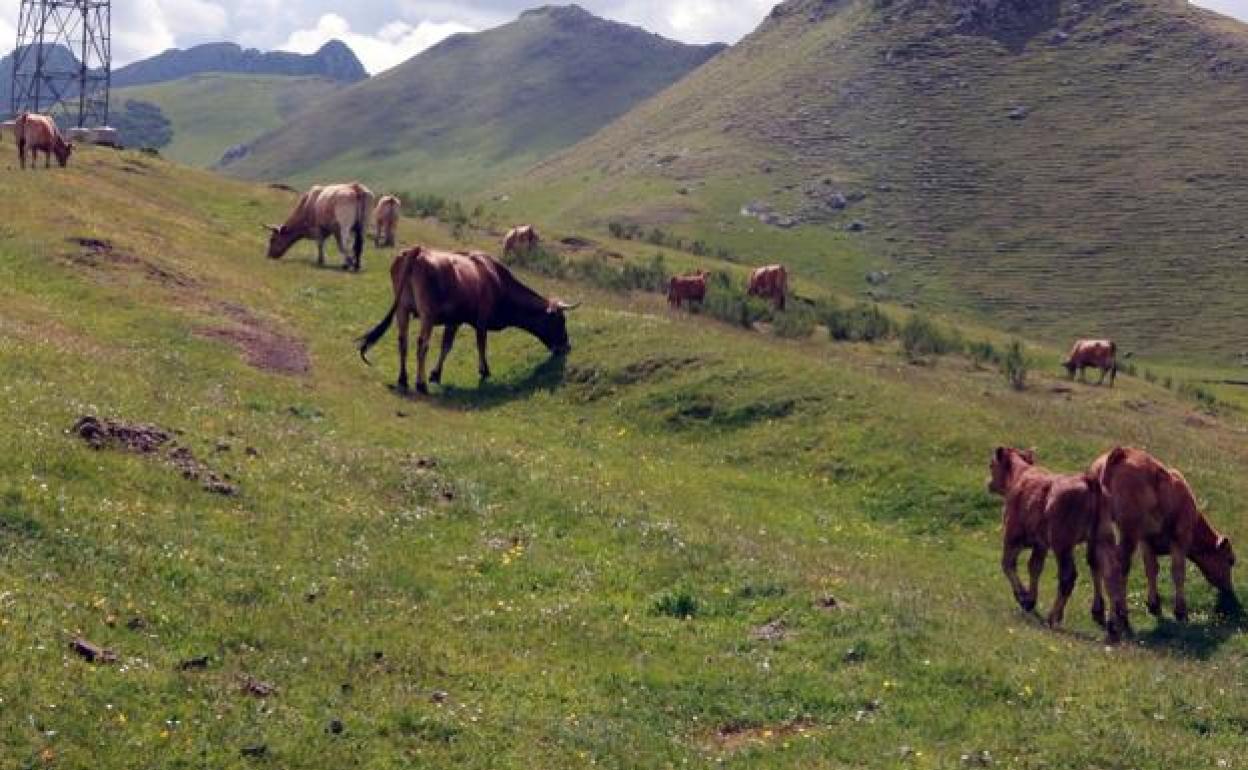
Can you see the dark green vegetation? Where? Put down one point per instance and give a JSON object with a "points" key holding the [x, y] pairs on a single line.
{"points": [[1058, 168], [142, 124], [687, 544], [478, 106], [211, 113], [334, 61]]}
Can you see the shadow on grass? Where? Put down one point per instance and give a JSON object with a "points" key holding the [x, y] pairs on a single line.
{"points": [[1197, 640], [547, 376]]}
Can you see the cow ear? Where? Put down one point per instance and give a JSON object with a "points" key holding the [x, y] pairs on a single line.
{"points": [[1224, 544], [1000, 455], [1029, 455]]}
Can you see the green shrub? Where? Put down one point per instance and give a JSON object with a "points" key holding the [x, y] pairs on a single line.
{"points": [[858, 323], [677, 604], [730, 304], [798, 322], [1015, 365], [649, 277], [921, 337], [983, 353]]}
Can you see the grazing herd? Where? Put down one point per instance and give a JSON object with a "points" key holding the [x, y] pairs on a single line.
{"points": [[1127, 500]]}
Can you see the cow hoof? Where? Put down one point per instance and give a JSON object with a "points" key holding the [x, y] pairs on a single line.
{"points": [[422, 388], [401, 386], [436, 377], [1112, 636], [1154, 608], [1181, 615], [1027, 603], [1054, 622], [485, 374], [1098, 617]]}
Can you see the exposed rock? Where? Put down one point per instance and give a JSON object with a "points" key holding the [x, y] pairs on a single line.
{"points": [[1019, 112]]}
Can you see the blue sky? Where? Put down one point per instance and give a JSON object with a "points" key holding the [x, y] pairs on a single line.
{"points": [[386, 32]]}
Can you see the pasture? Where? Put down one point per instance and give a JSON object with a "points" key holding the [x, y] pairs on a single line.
{"points": [[685, 545]]}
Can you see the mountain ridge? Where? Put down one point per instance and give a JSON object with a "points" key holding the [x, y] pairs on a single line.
{"points": [[334, 60]]}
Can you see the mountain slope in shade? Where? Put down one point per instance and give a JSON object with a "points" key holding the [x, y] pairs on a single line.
{"points": [[1016, 158], [477, 106], [334, 61]]}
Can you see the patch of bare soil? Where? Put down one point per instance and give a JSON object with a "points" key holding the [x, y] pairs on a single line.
{"points": [[100, 254], [262, 346], [150, 440], [737, 736]]}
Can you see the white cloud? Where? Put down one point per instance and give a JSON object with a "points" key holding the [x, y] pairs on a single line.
{"points": [[697, 21], [1237, 8], [392, 44]]}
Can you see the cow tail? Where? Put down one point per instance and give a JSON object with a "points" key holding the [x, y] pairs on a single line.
{"points": [[373, 337], [361, 223]]}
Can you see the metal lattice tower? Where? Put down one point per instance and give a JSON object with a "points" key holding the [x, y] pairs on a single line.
{"points": [[63, 59]]}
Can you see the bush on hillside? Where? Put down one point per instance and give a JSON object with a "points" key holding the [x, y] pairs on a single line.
{"points": [[797, 322], [920, 336], [1015, 365], [858, 323], [142, 124]]}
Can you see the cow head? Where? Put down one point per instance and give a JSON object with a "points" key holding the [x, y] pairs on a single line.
{"points": [[552, 327], [1005, 463], [280, 240], [1216, 566], [63, 150], [1070, 366]]}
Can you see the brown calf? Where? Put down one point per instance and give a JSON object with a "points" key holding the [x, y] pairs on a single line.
{"points": [[39, 133], [1094, 354], [386, 219], [687, 288], [771, 283], [1154, 507], [1045, 511], [521, 240]]}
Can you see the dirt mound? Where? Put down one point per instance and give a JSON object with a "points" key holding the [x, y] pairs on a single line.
{"points": [[106, 434], [262, 346], [151, 440], [101, 254]]}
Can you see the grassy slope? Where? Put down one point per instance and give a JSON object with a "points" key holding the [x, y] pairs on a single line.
{"points": [[477, 107], [205, 109], [659, 463], [1118, 195]]}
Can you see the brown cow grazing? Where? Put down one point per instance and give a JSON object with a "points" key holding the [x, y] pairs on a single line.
{"points": [[1154, 508], [1094, 354], [39, 133], [772, 283], [324, 211], [1045, 511], [450, 290], [687, 288], [386, 218], [521, 240]]}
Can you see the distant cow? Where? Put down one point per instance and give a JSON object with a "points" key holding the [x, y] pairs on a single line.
{"points": [[324, 211], [1045, 511], [450, 290], [1154, 508], [1094, 354], [521, 240], [771, 283], [39, 133], [386, 219], [687, 288]]}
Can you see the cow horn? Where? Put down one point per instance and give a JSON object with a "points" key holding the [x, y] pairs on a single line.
{"points": [[567, 306], [270, 228]]}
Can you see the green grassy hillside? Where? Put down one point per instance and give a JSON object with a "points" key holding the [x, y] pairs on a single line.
{"points": [[1061, 168], [477, 107], [685, 545], [213, 112]]}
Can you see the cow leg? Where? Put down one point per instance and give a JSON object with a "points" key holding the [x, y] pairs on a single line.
{"points": [[1035, 566], [347, 261], [405, 320], [1098, 583], [422, 352], [1009, 565], [448, 340], [1126, 552], [320, 251], [1066, 576], [21, 154], [483, 366], [1151, 569], [1178, 573]]}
